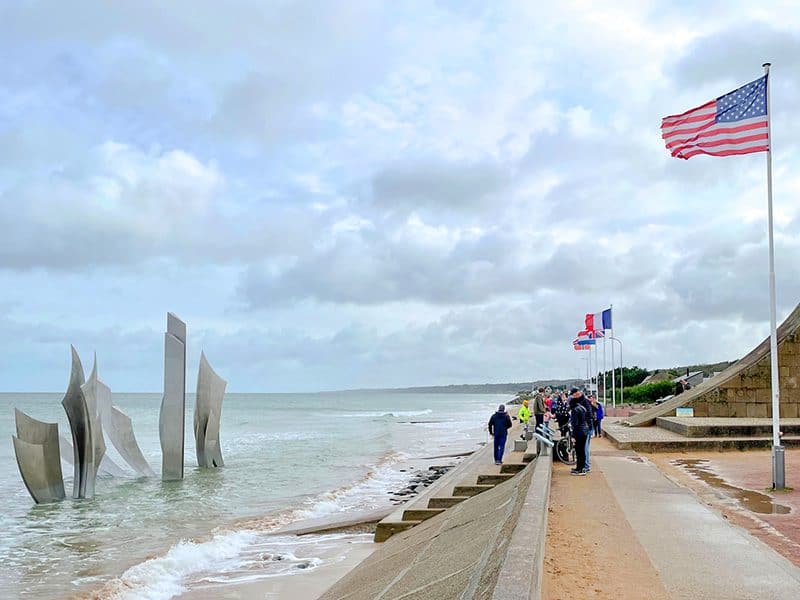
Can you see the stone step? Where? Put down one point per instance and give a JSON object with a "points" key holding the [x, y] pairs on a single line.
{"points": [[445, 502], [470, 490], [512, 467], [529, 457], [421, 514], [494, 479], [386, 530], [708, 427]]}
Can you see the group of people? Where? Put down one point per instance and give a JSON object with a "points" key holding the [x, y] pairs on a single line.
{"points": [[583, 413]]}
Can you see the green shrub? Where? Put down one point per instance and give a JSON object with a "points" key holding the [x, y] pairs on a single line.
{"points": [[649, 392]]}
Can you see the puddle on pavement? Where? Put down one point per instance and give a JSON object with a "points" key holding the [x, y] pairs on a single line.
{"points": [[638, 459], [751, 500]]}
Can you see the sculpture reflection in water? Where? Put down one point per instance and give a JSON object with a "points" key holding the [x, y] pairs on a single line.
{"points": [[207, 412]]}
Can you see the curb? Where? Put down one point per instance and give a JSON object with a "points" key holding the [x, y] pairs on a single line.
{"points": [[521, 575]]}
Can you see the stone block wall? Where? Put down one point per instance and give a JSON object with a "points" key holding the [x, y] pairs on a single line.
{"points": [[748, 394]]}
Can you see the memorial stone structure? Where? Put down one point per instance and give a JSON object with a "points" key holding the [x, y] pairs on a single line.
{"points": [[744, 388]]}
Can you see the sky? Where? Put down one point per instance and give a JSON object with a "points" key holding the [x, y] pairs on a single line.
{"points": [[352, 194]]}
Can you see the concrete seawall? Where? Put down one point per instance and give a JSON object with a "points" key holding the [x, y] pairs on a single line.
{"points": [[490, 546]]}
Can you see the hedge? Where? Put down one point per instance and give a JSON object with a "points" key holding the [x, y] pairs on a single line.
{"points": [[649, 392]]}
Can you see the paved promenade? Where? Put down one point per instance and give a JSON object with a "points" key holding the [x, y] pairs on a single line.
{"points": [[681, 549]]}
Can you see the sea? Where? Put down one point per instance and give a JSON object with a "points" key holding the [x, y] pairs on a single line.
{"points": [[288, 458]]}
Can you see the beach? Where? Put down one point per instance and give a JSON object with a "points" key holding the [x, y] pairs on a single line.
{"points": [[228, 532]]}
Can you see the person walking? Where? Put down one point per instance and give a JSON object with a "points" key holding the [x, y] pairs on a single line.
{"points": [[579, 420], [524, 415], [539, 407], [499, 424]]}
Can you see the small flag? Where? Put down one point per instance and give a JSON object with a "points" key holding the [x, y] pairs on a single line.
{"points": [[599, 321], [736, 123], [580, 347], [585, 338]]}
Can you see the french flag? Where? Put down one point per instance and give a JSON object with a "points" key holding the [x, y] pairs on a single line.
{"points": [[599, 321]]}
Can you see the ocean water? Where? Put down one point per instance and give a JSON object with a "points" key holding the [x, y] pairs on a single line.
{"points": [[288, 457]]}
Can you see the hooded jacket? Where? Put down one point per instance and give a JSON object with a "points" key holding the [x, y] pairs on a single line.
{"points": [[499, 424], [524, 414], [580, 418]]}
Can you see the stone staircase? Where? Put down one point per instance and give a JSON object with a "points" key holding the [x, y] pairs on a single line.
{"points": [[680, 434], [474, 478]]}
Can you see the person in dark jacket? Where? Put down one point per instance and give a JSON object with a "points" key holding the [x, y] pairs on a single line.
{"points": [[580, 420], [499, 424], [539, 407], [584, 401]]}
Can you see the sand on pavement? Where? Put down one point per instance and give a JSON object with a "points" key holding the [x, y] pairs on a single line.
{"points": [[591, 550]]}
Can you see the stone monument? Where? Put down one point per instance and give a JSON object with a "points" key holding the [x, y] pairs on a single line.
{"points": [[207, 411], [173, 404], [37, 451]]}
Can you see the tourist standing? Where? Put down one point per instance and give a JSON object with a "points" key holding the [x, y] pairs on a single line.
{"points": [[580, 420], [524, 415], [499, 424], [539, 406], [561, 410], [581, 398], [598, 428]]}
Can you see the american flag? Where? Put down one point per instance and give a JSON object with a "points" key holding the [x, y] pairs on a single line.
{"points": [[736, 123]]}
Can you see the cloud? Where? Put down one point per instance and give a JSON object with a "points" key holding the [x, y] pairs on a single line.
{"points": [[374, 194]]}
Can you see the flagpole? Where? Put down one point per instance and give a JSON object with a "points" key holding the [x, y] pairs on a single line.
{"points": [[605, 389], [613, 366], [778, 464]]}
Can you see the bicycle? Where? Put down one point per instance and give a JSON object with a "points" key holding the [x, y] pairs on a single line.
{"points": [[564, 449]]}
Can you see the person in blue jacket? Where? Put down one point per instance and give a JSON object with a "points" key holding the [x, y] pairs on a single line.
{"points": [[598, 417], [499, 424]]}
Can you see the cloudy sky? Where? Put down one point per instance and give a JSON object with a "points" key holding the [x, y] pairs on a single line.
{"points": [[363, 194]]}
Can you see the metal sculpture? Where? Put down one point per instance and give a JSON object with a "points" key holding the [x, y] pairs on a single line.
{"points": [[108, 468], [95, 392], [37, 451], [207, 412], [117, 427], [173, 404], [85, 461]]}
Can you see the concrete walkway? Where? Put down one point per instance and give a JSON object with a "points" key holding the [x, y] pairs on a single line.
{"points": [[695, 551]]}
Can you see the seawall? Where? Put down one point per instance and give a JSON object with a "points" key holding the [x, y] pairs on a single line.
{"points": [[489, 546]]}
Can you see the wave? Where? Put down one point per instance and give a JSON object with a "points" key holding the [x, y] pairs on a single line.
{"points": [[384, 414], [164, 577]]}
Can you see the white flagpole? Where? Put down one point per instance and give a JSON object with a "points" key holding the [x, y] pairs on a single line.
{"points": [[778, 464], [605, 389], [613, 364]]}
